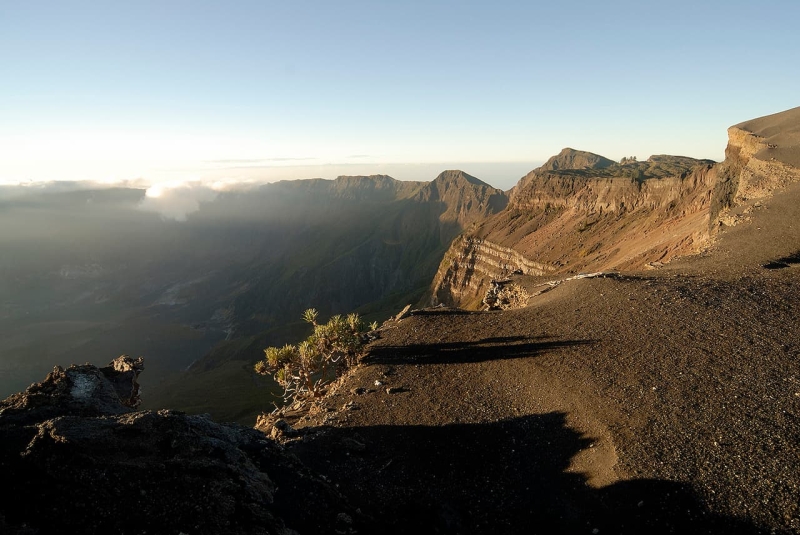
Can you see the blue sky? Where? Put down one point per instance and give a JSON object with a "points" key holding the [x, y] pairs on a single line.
{"points": [[264, 90]]}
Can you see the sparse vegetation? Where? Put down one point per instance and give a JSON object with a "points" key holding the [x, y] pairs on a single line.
{"points": [[304, 369]]}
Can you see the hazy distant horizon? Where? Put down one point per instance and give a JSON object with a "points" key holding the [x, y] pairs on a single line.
{"points": [[174, 92], [502, 175]]}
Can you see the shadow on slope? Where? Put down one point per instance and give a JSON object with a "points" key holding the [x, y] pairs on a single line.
{"points": [[784, 262], [504, 477], [496, 348]]}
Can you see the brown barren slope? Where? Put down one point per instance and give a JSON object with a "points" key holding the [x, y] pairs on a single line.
{"points": [[660, 401]]}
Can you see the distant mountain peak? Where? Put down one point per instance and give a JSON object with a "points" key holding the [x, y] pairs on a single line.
{"points": [[570, 158], [452, 175]]}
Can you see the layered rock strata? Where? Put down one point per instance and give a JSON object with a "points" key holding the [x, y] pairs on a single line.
{"points": [[589, 219], [581, 212], [471, 265]]}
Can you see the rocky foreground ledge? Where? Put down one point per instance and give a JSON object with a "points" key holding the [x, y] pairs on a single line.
{"points": [[77, 457]]}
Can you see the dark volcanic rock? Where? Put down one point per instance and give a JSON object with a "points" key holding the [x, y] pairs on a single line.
{"points": [[80, 460], [79, 391]]}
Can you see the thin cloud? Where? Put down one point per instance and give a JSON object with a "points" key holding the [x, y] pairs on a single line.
{"points": [[242, 160], [259, 160], [60, 186]]}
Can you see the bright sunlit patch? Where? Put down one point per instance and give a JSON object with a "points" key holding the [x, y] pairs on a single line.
{"points": [[175, 199], [154, 192], [160, 188]]}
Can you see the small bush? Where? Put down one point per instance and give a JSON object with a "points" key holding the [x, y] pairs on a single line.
{"points": [[304, 369]]}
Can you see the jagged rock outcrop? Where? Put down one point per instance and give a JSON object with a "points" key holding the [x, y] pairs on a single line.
{"points": [[78, 391], [79, 459], [505, 295]]}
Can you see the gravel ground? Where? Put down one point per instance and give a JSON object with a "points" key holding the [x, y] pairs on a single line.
{"points": [[665, 401]]}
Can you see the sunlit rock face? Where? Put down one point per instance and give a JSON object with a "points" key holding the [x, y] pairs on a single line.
{"points": [[582, 212]]}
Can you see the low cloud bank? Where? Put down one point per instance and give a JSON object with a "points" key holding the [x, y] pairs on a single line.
{"points": [[176, 200], [170, 199]]}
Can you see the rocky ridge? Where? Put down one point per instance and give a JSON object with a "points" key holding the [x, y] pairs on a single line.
{"points": [[81, 459], [573, 220], [580, 212]]}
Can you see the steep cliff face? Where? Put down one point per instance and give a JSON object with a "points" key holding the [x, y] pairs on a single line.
{"points": [[621, 188], [592, 218], [582, 212], [762, 156], [472, 263]]}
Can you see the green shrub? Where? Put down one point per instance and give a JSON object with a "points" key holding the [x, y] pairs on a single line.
{"points": [[304, 369]]}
